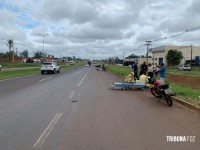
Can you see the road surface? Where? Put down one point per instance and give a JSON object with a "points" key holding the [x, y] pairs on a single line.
{"points": [[77, 110]]}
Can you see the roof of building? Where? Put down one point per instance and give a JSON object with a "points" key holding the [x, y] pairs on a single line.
{"points": [[163, 48], [167, 47], [159, 49]]}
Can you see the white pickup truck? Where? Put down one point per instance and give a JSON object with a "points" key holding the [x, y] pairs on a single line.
{"points": [[184, 67]]}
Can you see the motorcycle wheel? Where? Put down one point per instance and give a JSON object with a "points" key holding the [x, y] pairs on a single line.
{"points": [[154, 92], [169, 101]]}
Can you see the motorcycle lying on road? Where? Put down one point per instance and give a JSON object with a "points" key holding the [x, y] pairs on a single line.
{"points": [[162, 91]]}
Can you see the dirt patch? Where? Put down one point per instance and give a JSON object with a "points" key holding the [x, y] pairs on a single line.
{"points": [[193, 82]]}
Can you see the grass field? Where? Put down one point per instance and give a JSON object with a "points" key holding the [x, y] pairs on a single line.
{"points": [[24, 72], [193, 72], [186, 84], [19, 65], [120, 70], [184, 90], [18, 73], [186, 93]]}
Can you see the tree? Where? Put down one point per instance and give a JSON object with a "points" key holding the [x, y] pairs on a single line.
{"points": [[24, 54], [174, 57], [109, 60], [69, 59], [142, 56], [132, 56], [10, 45], [3, 55], [117, 60], [39, 54]]}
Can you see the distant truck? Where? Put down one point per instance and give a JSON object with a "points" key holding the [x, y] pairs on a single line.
{"points": [[71, 62], [197, 60], [89, 63]]}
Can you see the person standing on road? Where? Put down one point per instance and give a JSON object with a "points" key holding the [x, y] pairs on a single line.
{"points": [[135, 70], [162, 73], [143, 68], [150, 70]]}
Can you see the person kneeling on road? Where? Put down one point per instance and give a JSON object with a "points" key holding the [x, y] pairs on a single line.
{"points": [[130, 78], [142, 79]]}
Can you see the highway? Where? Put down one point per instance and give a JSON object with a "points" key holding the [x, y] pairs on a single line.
{"points": [[77, 110]]}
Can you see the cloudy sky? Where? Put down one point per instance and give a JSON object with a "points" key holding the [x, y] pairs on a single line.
{"points": [[97, 29]]}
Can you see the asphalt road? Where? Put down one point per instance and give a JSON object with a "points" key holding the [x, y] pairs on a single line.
{"points": [[77, 110]]}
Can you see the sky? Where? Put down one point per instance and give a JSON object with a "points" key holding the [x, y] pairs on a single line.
{"points": [[97, 29]]}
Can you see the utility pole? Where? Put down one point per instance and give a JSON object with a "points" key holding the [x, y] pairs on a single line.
{"points": [[191, 56], [16, 51], [10, 46], [147, 44], [13, 53], [43, 35], [123, 58]]}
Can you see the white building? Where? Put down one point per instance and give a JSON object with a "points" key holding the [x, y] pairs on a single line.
{"points": [[159, 53]]}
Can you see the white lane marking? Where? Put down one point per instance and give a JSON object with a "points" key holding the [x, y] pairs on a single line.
{"points": [[72, 94], [47, 131], [79, 84], [45, 79]]}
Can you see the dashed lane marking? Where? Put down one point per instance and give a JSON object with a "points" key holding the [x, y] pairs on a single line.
{"points": [[47, 131], [79, 84], [46, 79]]}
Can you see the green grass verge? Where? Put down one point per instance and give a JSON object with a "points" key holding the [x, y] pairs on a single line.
{"points": [[18, 73], [120, 70], [19, 65], [195, 72], [183, 91], [187, 94], [25, 72]]}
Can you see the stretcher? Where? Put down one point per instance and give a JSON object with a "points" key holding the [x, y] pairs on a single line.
{"points": [[127, 85]]}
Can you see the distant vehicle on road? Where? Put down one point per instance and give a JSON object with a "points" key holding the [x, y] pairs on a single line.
{"points": [[50, 67], [197, 60], [87, 65], [184, 67], [71, 62], [98, 65]]}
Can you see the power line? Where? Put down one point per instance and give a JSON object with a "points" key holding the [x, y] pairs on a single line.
{"points": [[178, 34]]}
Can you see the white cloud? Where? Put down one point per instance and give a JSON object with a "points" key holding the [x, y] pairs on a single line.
{"points": [[98, 29], [7, 19], [149, 36], [194, 8], [90, 32]]}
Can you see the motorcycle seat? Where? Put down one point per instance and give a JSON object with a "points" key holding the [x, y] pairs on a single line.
{"points": [[163, 86]]}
